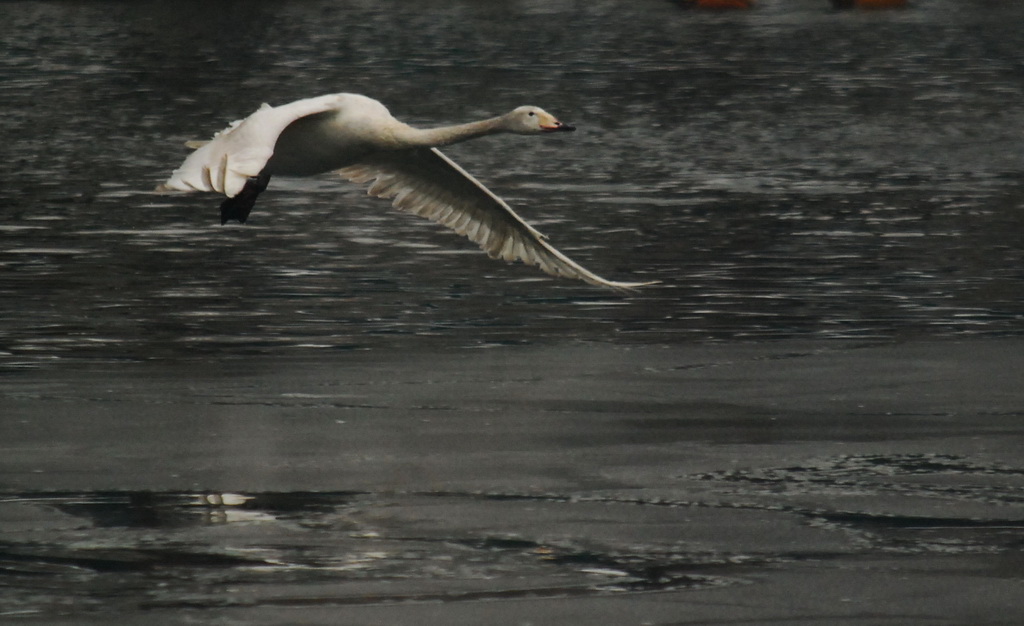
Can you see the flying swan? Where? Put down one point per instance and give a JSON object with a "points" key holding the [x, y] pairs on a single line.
{"points": [[357, 137]]}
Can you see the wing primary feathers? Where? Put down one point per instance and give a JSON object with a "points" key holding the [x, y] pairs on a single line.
{"points": [[427, 183]]}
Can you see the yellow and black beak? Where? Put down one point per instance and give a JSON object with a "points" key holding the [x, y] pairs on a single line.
{"points": [[557, 126]]}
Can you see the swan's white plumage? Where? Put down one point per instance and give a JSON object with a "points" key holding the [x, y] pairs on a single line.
{"points": [[242, 149], [357, 136], [429, 184]]}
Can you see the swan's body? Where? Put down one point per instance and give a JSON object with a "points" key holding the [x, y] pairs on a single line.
{"points": [[357, 137]]}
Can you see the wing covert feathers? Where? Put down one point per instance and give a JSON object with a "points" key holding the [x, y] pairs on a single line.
{"points": [[241, 150]]}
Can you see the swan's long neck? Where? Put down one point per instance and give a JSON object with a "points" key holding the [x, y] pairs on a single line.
{"points": [[447, 135]]}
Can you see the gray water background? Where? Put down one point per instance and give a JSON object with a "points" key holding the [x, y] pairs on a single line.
{"points": [[814, 418], [791, 171]]}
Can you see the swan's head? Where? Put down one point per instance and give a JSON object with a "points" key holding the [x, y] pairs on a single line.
{"points": [[529, 120]]}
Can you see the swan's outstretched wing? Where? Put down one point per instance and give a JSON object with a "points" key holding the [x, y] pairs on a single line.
{"points": [[242, 149], [429, 184]]}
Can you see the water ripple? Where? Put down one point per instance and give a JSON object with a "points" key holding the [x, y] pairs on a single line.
{"points": [[785, 173]]}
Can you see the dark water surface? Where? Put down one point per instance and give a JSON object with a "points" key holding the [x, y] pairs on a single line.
{"points": [[814, 418], [791, 171], [794, 483]]}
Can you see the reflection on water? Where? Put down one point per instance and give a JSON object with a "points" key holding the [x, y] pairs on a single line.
{"points": [[789, 171], [318, 538], [169, 550]]}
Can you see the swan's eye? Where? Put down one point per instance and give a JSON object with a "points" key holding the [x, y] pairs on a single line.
{"points": [[531, 114]]}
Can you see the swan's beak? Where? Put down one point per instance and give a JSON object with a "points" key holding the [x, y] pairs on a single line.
{"points": [[557, 126]]}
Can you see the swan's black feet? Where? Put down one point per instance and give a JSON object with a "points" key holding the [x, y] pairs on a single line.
{"points": [[239, 206]]}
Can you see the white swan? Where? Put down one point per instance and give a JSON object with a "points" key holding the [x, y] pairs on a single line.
{"points": [[357, 136]]}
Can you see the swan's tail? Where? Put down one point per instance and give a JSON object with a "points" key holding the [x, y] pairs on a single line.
{"points": [[238, 207]]}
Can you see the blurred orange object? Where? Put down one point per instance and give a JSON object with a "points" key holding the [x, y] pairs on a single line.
{"points": [[881, 4], [724, 4], [869, 4]]}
